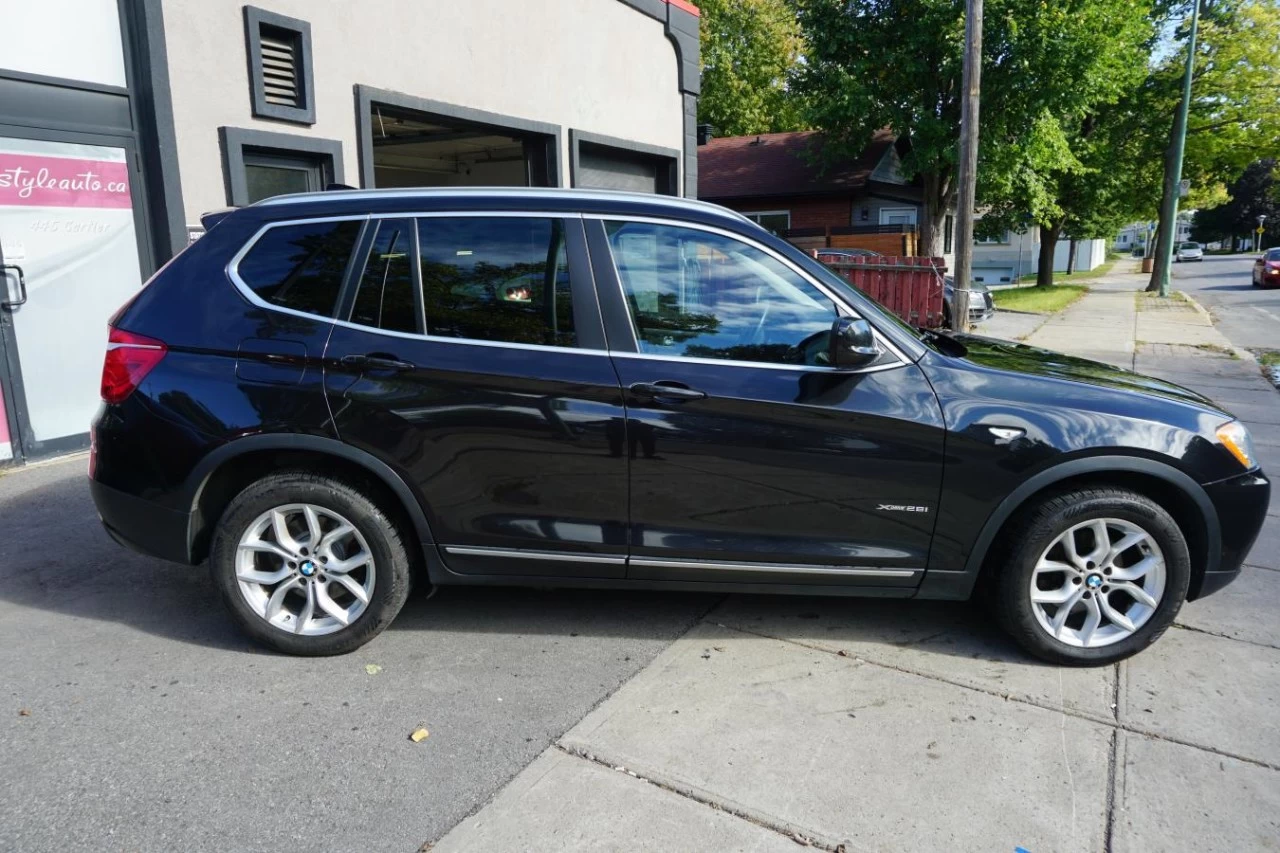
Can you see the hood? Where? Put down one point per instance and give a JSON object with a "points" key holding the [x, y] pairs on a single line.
{"points": [[1031, 361]]}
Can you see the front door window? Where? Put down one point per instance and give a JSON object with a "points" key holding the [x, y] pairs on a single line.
{"points": [[703, 295]]}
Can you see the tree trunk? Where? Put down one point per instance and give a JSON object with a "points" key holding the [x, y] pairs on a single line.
{"points": [[935, 205], [1048, 247], [1167, 189], [1071, 256]]}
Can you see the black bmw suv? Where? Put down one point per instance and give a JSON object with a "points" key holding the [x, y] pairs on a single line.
{"points": [[332, 396]]}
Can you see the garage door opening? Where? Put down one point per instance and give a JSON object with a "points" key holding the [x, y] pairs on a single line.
{"points": [[419, 149]]}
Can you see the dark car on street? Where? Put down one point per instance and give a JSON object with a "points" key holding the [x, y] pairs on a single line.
{"points": [[331, 397], [1266, 269]]}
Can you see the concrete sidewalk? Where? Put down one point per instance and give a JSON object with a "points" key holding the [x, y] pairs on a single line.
{"points": [[891, 725]]}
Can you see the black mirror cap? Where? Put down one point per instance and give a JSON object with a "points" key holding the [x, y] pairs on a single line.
{"points": [[853, 342]]}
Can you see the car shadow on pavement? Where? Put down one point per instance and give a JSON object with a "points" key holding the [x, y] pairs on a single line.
{"points": [[55, 556]]}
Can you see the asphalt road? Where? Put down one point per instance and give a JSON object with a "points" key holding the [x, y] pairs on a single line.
{"points": [[1249, 316], [136, 717]]}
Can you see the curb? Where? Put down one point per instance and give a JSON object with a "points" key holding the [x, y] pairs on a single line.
{"points": [[1242, 354]]}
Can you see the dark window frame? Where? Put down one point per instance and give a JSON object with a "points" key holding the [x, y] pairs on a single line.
{"points": [[235, 141], [668, 179], [254, 20]]}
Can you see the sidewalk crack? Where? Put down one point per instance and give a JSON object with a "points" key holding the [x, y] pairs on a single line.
{"points": [[791, 833]]}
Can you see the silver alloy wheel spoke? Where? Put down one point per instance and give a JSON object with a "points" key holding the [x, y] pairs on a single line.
{"points": [[352, 587], [318, 592], [1100, 597], [342, 567]]}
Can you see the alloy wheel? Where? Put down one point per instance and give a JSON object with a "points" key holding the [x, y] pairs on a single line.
{"points": [[1098, 583], [305, 569]]}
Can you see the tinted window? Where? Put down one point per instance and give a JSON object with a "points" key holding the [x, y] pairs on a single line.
{"points": [[1273, 255], [387, 298], [301, 266], [698, 294], [496, 279]]}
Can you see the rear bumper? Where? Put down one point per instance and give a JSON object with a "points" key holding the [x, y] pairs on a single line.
{"points": [[1241, 503], [141, 525]]}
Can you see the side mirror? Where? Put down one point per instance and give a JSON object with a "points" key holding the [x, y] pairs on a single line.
{"points": [[853, 343]]}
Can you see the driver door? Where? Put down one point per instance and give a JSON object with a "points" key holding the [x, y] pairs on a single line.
{"points": [[751, 458]]}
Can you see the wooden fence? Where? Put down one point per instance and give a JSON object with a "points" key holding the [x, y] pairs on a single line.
{"points": [[910, 287]]}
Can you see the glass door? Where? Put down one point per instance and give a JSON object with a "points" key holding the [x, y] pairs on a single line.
{"points": [[69, 243]]}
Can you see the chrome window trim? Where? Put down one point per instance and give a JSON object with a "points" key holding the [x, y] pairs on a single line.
{"points": [[785, 568], [842, 308], [468, 551], [233, 273]]}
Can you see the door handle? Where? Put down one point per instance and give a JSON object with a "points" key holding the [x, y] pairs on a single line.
{"points": [[667, 391], [22, 287], [377, 361]]}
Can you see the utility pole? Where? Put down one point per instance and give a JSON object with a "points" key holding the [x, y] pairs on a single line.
{"points": [[1169, 215], [1262, 218], [967, 172]]}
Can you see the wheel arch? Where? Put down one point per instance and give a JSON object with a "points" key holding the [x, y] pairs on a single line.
{"points": [[1180, 495], [222, 474]]}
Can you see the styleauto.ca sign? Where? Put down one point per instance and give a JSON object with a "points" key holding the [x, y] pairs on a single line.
{"points": [[32, 180]]}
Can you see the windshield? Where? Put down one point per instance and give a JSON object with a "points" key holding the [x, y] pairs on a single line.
{"points": [[1191, 245]]}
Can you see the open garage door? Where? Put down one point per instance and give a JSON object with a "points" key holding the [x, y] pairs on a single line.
{"points": [[412, 148]]}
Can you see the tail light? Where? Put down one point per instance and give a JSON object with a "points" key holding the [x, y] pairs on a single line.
{"points": [[129, 359]]}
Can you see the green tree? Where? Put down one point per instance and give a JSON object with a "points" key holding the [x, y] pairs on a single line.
{"points": [[897, 63], [1235, 97], [1255, 193], [749, 48]]}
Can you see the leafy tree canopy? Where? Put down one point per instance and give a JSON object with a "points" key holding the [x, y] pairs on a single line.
{"points": [[749, 48]]}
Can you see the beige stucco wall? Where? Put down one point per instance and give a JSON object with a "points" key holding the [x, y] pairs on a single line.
{"points": [[593, 65]]}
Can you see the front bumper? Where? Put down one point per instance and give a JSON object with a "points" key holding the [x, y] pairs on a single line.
{"points": [[141, 525], [1241, 503]]}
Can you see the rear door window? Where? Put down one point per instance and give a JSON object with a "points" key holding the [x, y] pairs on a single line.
{"points": [[503, 279], [388, 296], [301, 266]]}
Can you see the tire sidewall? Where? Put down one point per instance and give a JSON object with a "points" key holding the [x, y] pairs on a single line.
{"points": [[1046, 526], [391, 577]]}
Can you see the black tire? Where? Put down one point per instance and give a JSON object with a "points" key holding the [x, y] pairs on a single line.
{"points": [[1034, 531], [392, 564]]}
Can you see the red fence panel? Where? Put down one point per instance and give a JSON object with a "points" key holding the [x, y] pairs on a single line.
{"points": [[910, 287]]}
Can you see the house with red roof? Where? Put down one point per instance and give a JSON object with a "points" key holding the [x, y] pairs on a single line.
{"points": [[777, 180]]}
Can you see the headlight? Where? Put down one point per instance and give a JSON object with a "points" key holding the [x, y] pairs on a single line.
{"points": [[1235, 438]]}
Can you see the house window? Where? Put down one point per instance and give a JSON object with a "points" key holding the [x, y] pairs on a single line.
{"points": [[280, 77], [948, 234], [999, 240], [898, 216], [259, 165], [773, 221]]}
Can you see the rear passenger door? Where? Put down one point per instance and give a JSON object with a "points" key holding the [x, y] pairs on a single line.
{"points": [[469, 355]]}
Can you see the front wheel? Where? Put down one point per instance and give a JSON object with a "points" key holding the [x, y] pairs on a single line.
{"points": [[308, 564], [1092, 576]]}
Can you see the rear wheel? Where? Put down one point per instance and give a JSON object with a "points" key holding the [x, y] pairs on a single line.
{"points": [[1092, 576], [309, 565]]}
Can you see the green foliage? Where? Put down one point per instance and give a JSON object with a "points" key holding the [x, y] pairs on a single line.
{"points": [[1254, 193], [1047, 67], [749, 48]]}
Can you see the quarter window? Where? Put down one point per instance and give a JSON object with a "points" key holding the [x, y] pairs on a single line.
{"points": [[697, 294], [301, 266], [496, 279], [388, 296]]}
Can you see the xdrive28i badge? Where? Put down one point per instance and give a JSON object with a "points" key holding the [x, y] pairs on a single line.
{"points": [[901, 508]]}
